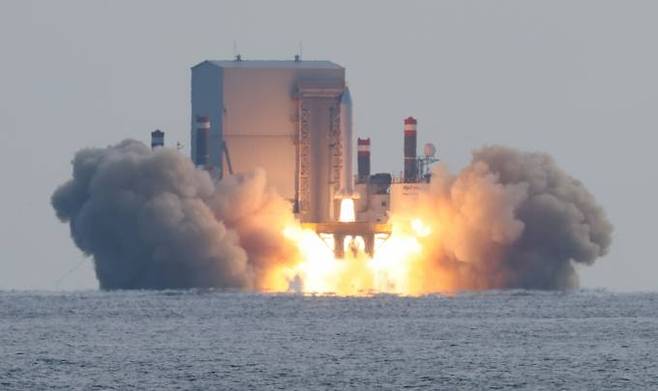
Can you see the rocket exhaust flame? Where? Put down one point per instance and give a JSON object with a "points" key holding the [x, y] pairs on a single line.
{"points": [[151, 220], [347, 214]]}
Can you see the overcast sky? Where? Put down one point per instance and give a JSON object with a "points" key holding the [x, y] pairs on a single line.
{"points": [[576, 79]]}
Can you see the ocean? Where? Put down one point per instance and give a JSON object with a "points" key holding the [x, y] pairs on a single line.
{"points": [[214, 340]]}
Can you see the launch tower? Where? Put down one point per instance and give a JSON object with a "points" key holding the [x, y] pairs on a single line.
{"points": [[294, 119], [284, 116]]}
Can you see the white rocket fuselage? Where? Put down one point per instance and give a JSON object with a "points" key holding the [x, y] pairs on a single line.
{"points": [[346, 177]]}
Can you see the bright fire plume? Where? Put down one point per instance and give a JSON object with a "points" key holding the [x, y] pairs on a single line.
{"points": [[346, 210], [393, 269]]}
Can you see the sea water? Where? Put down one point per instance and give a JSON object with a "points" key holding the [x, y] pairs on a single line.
{"points": [[214, 340]]}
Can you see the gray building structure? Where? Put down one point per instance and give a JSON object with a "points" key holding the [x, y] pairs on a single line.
{"points": [[282, 116]]}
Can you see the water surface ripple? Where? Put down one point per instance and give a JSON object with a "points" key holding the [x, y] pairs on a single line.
{"points": [[203, 340]]}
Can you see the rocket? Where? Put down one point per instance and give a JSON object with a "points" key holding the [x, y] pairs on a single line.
{"points": [[346, 178]]}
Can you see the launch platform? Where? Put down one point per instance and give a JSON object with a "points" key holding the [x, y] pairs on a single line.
{"points": [[293, 118], [341, 230]]}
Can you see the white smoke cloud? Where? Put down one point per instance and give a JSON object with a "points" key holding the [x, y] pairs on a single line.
{"points": [[513, 219]]}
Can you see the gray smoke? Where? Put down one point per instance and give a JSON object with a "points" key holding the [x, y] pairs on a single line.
{"points": [[151, 220], [517, 221]]}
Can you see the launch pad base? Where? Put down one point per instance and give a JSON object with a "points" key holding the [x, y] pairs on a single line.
{"points": [[341, 230]]}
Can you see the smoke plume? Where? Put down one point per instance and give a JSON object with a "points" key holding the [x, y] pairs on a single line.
{"points": [[151, 220], [510, 219]]}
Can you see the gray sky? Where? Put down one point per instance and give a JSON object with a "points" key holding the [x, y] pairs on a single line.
{"points": [[576, 79]]}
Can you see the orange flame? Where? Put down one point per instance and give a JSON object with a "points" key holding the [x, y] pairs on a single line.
{"points": [[395, 267]]}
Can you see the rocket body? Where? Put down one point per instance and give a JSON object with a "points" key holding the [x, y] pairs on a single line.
{"points": [[346, 178]]}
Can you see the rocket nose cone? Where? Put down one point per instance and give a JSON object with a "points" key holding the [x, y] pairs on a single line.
{"points": [[346, 98]]}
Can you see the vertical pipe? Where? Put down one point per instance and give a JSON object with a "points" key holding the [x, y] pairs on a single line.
{"points": [[363, 160], [347, 186], [410, 161], [203, 132]]}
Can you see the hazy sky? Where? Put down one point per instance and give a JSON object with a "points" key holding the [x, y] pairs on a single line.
{"points": [[576, 79]]}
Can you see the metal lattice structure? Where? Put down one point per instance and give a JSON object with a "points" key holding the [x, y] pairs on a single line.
{"points": [[336, 149], [304, 159]]}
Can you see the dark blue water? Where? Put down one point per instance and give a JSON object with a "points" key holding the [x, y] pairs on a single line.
{"points": [[583, 340]]}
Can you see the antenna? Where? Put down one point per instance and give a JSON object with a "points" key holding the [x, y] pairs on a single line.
{"points": [[301, 50], [69, 272], [236, 53]]}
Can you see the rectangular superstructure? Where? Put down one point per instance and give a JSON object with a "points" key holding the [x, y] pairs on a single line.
{"points": [[277, 115]]}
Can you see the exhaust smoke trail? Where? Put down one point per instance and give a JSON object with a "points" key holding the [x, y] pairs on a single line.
{"points": [[511, 219], [151, 220]]}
